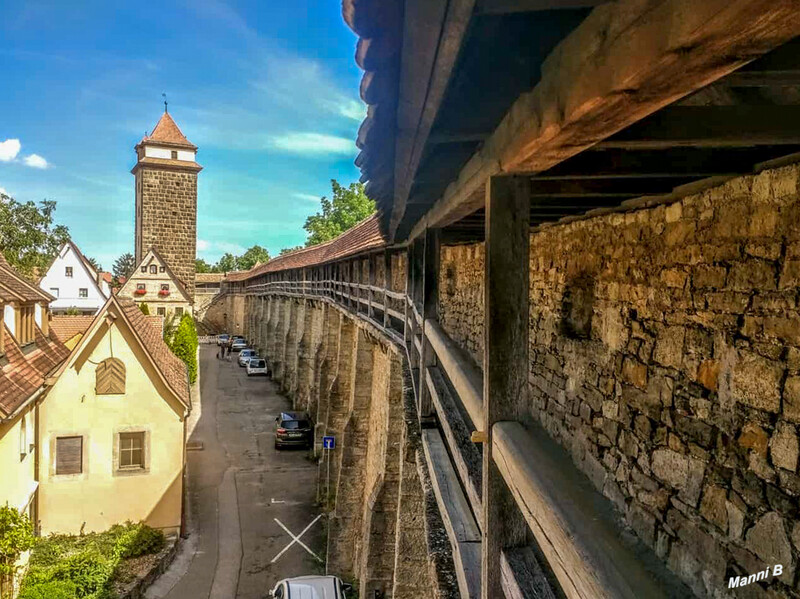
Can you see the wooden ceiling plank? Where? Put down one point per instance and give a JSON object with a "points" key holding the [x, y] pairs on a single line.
{"points": [[503, 7], [593, 89]]}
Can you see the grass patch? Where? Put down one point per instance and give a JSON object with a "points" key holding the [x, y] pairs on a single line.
{"points": [[87, 566]]}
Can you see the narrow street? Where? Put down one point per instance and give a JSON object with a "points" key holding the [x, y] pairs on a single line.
{"points": [[239, 488]]}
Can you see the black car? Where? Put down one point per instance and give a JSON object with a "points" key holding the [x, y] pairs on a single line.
{"points": [[293, 429]]}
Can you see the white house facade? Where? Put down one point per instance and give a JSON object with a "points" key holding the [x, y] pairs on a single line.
{"points": [[74, 283]]}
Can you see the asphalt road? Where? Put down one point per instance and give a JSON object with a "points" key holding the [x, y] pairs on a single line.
{"points": [[240, 488]]}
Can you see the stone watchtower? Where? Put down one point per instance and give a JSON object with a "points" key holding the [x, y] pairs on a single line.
{"points": [[166, 199]]}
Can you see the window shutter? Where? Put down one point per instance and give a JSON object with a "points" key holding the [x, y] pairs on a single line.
{"points": [[110, 377], [69, 455]]}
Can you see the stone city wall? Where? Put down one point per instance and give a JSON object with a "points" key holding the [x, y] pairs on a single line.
{"points": [[384, 529], [665, 355]]}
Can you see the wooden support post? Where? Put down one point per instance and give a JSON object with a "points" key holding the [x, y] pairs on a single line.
{"points": [[373, 276], [430, 301], [407, 336], [387, 283], [505, 359]]}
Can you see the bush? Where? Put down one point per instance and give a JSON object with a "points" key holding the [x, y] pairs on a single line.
{"points": [[183, 344], [144, 308], [138, 539], [57, 589], [16, 537], [88, 562]]}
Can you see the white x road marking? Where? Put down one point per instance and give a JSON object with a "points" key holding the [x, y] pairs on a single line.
{"points": [[296, 539]]}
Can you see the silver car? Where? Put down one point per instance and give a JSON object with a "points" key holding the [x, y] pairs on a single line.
{"points": [[245, 355], [311, 587]]}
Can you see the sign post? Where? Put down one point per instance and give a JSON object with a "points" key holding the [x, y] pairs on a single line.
{"points": [[328, 444]]}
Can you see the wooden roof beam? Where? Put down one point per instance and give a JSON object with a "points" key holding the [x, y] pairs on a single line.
{"points": [[503, 7], [624, 62], [711, 127]]}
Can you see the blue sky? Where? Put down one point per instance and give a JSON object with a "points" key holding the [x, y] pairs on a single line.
{"points": [[268, 90]]}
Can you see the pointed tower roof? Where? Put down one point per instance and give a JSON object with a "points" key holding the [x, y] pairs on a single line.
{"points": [[167, 132]]}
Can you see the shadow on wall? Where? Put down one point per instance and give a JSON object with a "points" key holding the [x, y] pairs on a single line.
{"points": [[577, 307]]}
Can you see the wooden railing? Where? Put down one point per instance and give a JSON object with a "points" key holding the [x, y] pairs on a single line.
{"points": [[575, 528]]}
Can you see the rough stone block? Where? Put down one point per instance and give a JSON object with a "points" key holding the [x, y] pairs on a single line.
{"points": [[768, 540], [754, 437], [680, 472], [783, 447], [713, 507], [756, 382]]}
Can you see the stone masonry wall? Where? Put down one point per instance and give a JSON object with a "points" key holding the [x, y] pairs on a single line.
{"points": [[384, 529], [169, 220], [665, 355]]}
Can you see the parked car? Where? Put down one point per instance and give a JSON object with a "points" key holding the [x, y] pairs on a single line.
{"points": [[238, 345], [245, 355], [293, 429], [223, 339], [257, 367], [311, 587]]}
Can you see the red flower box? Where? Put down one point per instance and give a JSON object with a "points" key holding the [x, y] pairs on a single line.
{"points": [[140, 291], [163, 293]]}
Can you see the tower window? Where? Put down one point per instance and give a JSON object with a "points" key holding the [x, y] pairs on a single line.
{"points": [[153, 269], [174, 154]]}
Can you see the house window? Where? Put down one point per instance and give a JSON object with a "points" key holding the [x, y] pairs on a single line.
{"points": [[26, 324], [144, 269], [69, 455], [161, 311], [110, 377], [140, 286], [179, 311], [131, 451], [174, 154], [153, 269], [68, 272], [54, 291], [23, 438], [162, 269], [83, 292], [165, 287]]}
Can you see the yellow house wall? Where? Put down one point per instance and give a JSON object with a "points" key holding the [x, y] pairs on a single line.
{"points": [[17, 480], [102, 495]]}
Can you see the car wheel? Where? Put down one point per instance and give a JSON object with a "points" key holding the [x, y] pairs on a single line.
{"points": [[277, 445]]}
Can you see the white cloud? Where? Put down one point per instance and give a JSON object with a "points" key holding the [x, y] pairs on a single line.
{"points": [[9, 149], [35, 161], [310, 197], [352, 109], [3, 191], [313, 143], [233, 248], [202, 245]]}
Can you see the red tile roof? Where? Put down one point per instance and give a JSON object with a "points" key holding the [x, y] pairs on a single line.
{"points": [[66, 327], [13, 287], [364, 236], [168, 132], [169, 364], [24, 372]]}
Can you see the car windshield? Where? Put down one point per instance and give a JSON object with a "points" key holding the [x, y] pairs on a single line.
{"points": [[258, 363], [294, 424]]}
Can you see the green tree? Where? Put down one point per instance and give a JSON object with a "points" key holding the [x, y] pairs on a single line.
{"points": [[201, 265], [95, 264], [349, 206], [28, 237], [124, 266], [16, 537], [288, 250], [183, 343], [227, 263], [251, 257], [144, 308]]}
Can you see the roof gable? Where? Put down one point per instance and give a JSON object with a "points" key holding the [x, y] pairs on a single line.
{"points": [[13, 287], [152, 256], [147, 334], [89, 273]]}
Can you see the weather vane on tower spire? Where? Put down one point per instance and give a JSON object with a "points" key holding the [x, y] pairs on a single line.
{"points": [[165, 101]]}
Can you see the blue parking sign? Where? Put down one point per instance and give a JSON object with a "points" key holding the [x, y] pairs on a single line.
{"points": [[328, 442]]}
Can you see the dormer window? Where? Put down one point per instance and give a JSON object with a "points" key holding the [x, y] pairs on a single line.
{"points": [[153, 269], [68, 272], [25, 324], [174, 154]]}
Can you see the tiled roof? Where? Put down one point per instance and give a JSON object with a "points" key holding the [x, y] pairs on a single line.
{"points": [[168, 132], [364, 236], [13, 287], [169, 364], [24, 372], [107, 276], [66, 327]]}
